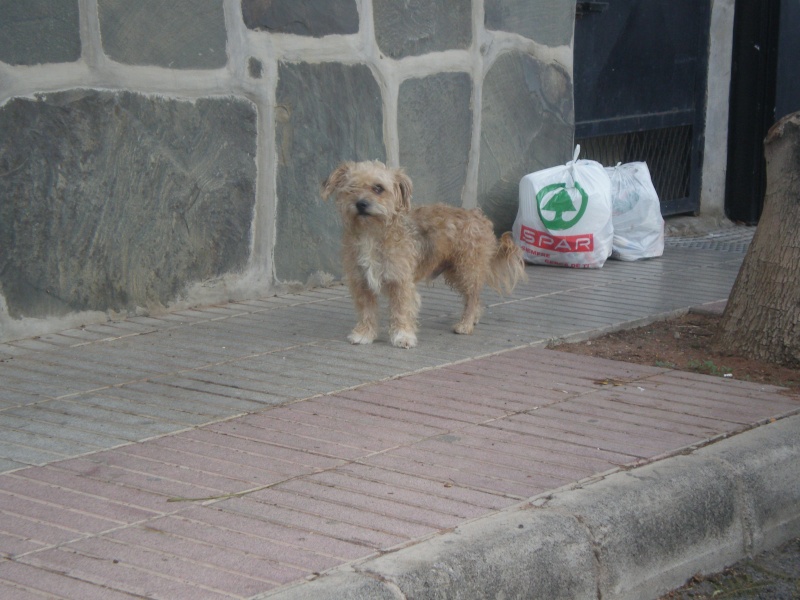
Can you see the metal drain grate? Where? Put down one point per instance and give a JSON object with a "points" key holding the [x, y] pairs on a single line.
{"points": [[735, 239], [666, 151]]}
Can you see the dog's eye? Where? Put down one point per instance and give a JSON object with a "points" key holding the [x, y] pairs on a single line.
{"points": [[377, 188]]}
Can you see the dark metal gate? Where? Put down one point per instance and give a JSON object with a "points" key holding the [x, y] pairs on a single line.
{"points": [[764, 88], [640, 82]]}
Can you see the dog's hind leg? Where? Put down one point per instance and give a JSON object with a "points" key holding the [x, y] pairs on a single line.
{"points": [[468, 279], [404, 304], [366, 303], [472, 309]]}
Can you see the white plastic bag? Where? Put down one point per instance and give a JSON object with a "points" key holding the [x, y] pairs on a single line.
{"points": [[564, 215], [636, 213]]}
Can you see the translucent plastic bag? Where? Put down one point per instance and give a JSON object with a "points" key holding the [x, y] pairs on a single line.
{"points": [[564, 215], [636, 214]]}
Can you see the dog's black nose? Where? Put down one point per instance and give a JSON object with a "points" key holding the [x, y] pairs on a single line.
{"points": [[362, 206]]}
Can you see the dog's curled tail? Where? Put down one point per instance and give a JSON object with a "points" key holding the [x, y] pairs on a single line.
{"points": [[508, 266]]}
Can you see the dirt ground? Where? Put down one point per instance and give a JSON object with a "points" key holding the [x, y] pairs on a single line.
{"points": [[772, 575], [684, 343]]}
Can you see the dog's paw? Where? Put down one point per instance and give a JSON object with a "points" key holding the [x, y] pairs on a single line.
{"points": [[464, 328], [357, 337], [404, 339]]}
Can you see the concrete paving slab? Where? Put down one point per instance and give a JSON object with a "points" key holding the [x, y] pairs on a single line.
{"points": [[208, 407]]}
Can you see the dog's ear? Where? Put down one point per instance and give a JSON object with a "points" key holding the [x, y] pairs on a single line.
{"points": [[403, 188], [335, 180]]}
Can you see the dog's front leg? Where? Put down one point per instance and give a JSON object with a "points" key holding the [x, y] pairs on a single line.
{"points": [[404, 304], [366, 303]]}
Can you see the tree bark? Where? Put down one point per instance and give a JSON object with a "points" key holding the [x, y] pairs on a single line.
{"points": [[762, 317]]}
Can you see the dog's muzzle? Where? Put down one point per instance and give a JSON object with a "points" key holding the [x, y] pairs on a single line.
{"points": [[362, 206]]}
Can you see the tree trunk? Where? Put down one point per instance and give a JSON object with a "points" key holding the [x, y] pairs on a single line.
{"points": [[762, 318]]}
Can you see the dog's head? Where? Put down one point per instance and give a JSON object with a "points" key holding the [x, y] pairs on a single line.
{"points": [[368, 191]]}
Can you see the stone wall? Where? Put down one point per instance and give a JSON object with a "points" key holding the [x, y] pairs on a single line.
{"points": [[161, 154]]}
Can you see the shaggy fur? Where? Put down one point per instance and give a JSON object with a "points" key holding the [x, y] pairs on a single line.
{"points": [[388, 246]]}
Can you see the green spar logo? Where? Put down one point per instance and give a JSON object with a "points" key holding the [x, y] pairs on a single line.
{"points": [[558, 199]]}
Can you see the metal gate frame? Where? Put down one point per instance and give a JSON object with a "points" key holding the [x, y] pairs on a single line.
{"points": [[640, 72], [752, 103]]}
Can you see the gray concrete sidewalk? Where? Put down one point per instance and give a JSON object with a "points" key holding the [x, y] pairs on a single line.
{"points": [[241, 450]]}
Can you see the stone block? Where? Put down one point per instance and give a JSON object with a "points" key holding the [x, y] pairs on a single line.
{"points": [[527, 125], [548, 22], [325, 114], [767, 461], [315, 18], [653, 527], [416, 27], [118, 200], [179, 34], [255, 68], [518, 554], [435, 124], [39, 31]]}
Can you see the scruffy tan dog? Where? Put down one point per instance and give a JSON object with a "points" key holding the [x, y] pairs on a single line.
{"points": [[388, 246]]}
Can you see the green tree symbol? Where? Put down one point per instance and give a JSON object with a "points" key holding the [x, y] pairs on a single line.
{"points": [[558, 200]]}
